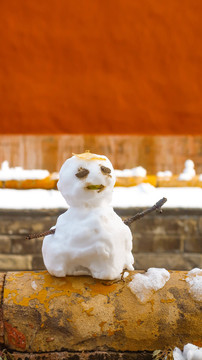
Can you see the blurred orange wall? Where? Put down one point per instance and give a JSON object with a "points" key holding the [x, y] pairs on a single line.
{"points": [[92, 66]]}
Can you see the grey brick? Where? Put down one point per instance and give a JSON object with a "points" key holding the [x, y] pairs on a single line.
{"points": [[5, 244], [15, 262], [169, 261]]}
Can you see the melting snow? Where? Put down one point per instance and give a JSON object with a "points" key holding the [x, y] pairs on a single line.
{"points": [[34, 285], [143, 285], [194, 279], [190, 352]]}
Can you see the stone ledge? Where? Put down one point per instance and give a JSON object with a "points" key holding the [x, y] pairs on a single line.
{"points": [[43, 314]]}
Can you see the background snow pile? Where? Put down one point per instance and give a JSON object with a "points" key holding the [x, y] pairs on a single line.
{"points": [[164, 174], [194, 278], [138, 171], [18, 173], [190, 352], [143, 285]]}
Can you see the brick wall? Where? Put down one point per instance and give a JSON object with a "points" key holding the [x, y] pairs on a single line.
{"points": [[172, 240]]}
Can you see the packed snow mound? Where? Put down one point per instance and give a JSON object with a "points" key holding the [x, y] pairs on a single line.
{"points": [[188, 172], [190, 352], [194, 278], [18, 173], [90, 238], [143, 285]]}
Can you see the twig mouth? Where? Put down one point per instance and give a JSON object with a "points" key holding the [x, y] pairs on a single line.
{"points": [[99, 188]]}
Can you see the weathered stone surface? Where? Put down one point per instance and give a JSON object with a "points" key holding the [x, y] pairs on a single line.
{"points": [[43, 313], [15, 262]]}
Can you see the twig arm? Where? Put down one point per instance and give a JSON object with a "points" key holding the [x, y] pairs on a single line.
{"points": [[138, 216], [36, 236]]}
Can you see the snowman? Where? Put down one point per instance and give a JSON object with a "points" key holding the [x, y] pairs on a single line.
{"points": [[188, 172], [90, 238]]}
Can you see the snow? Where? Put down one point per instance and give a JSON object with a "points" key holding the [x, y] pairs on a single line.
{"points": [[138, 171], [190, 352], [18, 173], [90, 238], [194, 278], [143, 195], [164, 174], [34, 285], [143, 285], [31, 199], [188, 172]]}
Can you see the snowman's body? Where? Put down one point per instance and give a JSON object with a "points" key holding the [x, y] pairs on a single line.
{"points": [[90, 238]]}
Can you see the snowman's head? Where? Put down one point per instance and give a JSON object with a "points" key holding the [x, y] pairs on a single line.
{"points": [[87, 180]]}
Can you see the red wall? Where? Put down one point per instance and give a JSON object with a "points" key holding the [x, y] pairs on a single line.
{"points": [[92, 66]]}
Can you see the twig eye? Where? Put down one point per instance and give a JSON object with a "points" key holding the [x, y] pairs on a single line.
{"points": [[82, 173], [105, 170]]}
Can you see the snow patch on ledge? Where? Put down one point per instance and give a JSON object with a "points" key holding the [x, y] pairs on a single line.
{"points": [[190, 352], [144, 285], [194, 278]]}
